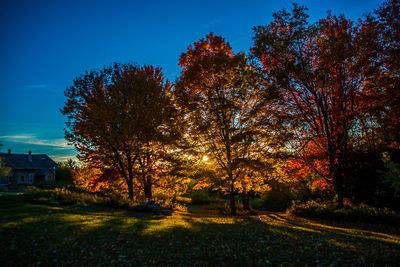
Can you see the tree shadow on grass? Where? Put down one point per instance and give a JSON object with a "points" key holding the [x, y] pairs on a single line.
{"points": [[343, 228], [73, 235], [255, 241]]}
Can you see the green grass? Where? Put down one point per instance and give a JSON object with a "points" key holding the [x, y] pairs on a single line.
{"points": [[41, 232]]}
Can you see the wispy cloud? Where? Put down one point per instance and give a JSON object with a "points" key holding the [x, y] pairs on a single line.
{"points": [[16, 137], [64, 158], [33, 140], [212, 23]]}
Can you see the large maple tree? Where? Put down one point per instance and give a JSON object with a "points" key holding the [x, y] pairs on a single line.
{"points": [[115, 113], [315, 70]]}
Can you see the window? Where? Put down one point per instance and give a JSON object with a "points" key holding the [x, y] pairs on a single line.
{"points": [[31, 176], [22, 178]]}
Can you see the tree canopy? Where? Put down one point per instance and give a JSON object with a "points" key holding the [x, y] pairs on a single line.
{"points": [[115, 113]]}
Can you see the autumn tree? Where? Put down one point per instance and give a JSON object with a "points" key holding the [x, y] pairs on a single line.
{"points": [[379, 39], [218, 92], [388, 27], [378, 139], [314, 68], [4, 170], [114, 113]]}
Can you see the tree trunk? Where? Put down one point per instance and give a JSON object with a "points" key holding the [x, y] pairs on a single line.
{"points": [[245, 200], [147, 189], [340, 197], [338, 186], [233, 205], [335, 174], [339, 194], [232, 198], [130, 188]]}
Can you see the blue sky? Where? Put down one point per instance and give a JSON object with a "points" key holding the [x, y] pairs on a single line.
{"points": [[44, 45]]}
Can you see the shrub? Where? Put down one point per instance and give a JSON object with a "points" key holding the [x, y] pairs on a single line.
{"points": [[200, 198], [272, 201], [77, 196], [164, 199], [66, 196], [81, 197], [360, 213], [256, 204]]}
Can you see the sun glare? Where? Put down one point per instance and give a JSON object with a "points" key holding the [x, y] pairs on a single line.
{"points": [[205, 158]]}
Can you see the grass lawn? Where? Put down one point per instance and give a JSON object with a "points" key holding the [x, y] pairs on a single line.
{"points": [[43, 233]]}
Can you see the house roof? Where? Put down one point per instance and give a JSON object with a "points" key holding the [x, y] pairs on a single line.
{"points": [[21, 161]]}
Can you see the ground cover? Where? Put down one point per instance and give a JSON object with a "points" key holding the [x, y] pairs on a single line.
{"points": [[43, 232]]}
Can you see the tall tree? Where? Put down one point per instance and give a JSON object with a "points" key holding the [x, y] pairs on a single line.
{"points": [[315, 70], [216, 89], [114, 112], [388, 16], [380, 41]]}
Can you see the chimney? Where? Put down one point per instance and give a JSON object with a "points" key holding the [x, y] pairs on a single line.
{"points": [[9, 151], [30, 156]]}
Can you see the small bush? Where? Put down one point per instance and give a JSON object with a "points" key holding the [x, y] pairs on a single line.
{"points": [[164, 199], [256, 204], [358, 213], [200, 198], [67, 196], [82, 197], [272, 201]]}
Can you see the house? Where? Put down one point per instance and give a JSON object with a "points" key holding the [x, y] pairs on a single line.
{"points": [[28, 168]]}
